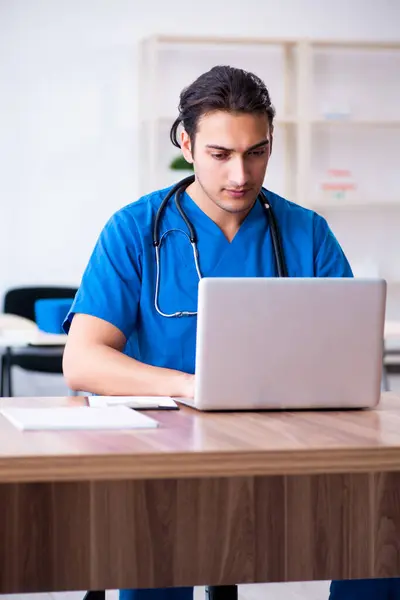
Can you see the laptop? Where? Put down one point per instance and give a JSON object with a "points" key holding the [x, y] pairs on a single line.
{"points": [[289, 343]]}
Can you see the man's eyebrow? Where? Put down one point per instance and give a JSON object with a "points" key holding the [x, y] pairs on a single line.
{"points": [[217, 147]]}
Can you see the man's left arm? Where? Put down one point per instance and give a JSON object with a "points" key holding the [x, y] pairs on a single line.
{"points": [[329, 258]]}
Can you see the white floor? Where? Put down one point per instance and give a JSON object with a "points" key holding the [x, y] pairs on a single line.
{"points": [[271, 591]]}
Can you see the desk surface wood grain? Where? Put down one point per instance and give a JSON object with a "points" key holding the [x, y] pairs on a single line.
{"points": [[205, 499], [193, 444]]}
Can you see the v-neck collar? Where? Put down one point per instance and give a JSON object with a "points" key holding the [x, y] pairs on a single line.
{"points": [[204, 224], [216, 254]]}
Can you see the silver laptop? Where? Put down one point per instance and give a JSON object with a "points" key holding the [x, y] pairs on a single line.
{"points": [[289, 343]]}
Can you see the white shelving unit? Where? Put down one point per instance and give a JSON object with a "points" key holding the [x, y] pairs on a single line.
{"points": [[337, 126]]}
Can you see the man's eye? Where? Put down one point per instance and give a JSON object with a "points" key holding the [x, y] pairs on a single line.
{"points": [[219, 155], [258, 152]]}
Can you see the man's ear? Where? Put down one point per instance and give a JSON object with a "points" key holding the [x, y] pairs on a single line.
{"points": [[271, 139], [186, 147]]}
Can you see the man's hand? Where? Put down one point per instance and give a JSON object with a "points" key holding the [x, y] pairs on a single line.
{"points": [[187, 386]]}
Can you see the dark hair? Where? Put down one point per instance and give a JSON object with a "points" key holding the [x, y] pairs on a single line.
{"points": [[222, 88]]}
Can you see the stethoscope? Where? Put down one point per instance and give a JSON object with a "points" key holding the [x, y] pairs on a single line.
{"points": [[178, 190]]}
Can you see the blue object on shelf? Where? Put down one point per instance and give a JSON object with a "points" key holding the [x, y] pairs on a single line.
{"points": [[51, 312]]}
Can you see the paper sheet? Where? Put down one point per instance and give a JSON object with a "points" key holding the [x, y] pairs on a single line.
{"points": [[81, 417]]}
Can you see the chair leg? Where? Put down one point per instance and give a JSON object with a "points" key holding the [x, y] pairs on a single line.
{"points": [[99, 595], [2, 376], [222, 592], [7, 372], [6, 384], [385, 377], [385, 380]]}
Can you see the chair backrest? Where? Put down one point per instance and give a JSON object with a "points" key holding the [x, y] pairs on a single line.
{"points": [[21, 301]]}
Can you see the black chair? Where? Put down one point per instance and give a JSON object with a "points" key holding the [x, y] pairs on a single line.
{"points": [[21, 302]]}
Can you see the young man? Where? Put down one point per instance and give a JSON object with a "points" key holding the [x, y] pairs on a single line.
{"points": [[121, 339]]}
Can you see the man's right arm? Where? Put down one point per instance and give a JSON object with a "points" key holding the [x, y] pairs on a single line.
{"points": [[94, 362], [103, 317]]}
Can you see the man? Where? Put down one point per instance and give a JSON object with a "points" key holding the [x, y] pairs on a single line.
{"points": [[121, 341]]}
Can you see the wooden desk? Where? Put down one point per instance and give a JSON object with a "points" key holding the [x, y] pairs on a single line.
{"points": [[205, 499]]}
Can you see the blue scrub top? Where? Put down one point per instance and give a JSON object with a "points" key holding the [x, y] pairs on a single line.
{"points": [[119, 282]]}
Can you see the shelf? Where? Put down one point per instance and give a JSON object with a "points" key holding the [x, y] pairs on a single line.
{"points": [[293, 120], [220, 40], [357, 122], [321, 205], [356, 44], [232, 40], [165, 120]]}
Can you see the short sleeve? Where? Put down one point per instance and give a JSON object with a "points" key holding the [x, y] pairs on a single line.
{"points": [[329, 258], [111, 284]]}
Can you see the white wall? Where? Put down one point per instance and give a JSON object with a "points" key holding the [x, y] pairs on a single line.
{"points": [[68, 101]]}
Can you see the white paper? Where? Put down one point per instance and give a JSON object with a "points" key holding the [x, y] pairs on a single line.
{"points": [[81, 417], [139, 402]]}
